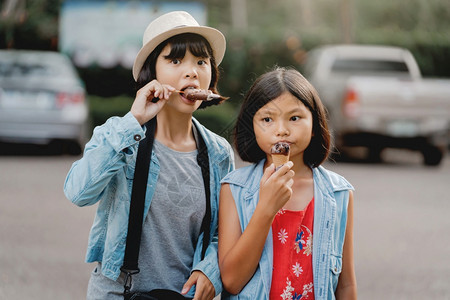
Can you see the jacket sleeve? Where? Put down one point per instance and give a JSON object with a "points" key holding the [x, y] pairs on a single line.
{"points": [[210, 266], [104, 155]]}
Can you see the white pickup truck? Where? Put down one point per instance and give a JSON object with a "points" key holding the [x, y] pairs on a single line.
{"points": [[376, 98]]}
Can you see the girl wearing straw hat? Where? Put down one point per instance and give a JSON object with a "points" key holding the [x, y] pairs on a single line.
{"points": [[176, 252]]}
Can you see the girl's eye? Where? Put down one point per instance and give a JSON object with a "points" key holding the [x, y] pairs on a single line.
{"points": [[176, 61], [202, 62], [295, 118], [267, 119]]}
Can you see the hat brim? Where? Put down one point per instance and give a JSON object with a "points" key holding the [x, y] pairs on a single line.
{"points": [[212, 35]]}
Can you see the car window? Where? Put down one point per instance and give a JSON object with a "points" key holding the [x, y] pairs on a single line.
{"points": [[25, 67], [24, 70]]}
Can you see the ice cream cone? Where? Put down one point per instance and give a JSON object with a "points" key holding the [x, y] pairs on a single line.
{"points": [[279, 159], [280, 154]]}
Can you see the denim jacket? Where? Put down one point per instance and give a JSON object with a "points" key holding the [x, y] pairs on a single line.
{"points": [[330, 219], [105, 175]]}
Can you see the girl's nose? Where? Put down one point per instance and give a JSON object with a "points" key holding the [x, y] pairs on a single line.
{"points": [[191, 72], [282, 130]]}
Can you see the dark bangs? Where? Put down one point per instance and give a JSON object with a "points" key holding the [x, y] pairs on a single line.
{"points": [[196, 44]]}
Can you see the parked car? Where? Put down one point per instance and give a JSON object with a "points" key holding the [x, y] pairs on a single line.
{"points": [[42, 100], [376, 98]]}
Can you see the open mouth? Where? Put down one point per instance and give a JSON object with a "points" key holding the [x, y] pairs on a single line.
{"points": [[183, 95]]}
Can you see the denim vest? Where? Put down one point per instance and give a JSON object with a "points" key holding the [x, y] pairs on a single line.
{"points": [[105, 175], [330, 219]]}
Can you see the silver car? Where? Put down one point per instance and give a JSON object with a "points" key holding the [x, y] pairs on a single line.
{"points": [[42, 100]]}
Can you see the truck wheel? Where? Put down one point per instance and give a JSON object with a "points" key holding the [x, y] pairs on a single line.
{"points": [[73, 148], [432, 156], [374, 154]]}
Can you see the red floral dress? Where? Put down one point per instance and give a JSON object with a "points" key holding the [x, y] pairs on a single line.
{"points": [[292, 275]]}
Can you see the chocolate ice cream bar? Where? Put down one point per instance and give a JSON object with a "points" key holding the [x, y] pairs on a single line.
{"points": [[199, 94]]}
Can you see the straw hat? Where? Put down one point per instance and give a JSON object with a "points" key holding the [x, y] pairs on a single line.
{"points": [[171, 24]]}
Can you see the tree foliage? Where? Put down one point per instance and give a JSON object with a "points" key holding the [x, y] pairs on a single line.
{"points": [[29, 24]]}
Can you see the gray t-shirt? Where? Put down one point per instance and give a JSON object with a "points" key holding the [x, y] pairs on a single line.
{"points": [[170, 231]]}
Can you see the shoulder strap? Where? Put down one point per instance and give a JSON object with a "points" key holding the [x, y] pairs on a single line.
{"points": [[203, 162], [130, 263]]}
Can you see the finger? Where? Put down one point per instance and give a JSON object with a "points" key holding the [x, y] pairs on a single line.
{"points": [[168, 91], [149, 86], [284, 168], [204, 288], [147, 93], [151, 90], [162, 92], [201, 292], [289, 164], [189, 283], [160, 103], [290, 183], [268, 172], [157, 94], [289, 174]]}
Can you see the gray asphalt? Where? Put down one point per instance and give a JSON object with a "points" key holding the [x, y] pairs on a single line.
{"points": [[402, 244]]}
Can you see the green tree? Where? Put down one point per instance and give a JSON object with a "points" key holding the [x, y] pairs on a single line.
{"points": [[29, 24]]}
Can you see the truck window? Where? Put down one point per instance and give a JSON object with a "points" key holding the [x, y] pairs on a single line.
{"points": [[364, 66]]}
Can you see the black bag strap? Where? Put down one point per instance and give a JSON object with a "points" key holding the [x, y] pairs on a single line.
{"points": [[130, 262], [203, 162]]}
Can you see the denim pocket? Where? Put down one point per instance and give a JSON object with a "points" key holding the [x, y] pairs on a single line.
{"points": [[336, 269], [336, 264]]}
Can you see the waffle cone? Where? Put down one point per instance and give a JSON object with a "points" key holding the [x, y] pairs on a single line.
{"points": [[279, 159]]}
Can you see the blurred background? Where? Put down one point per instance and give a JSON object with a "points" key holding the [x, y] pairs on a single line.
{"points": [[65, 67], [102, 37]]}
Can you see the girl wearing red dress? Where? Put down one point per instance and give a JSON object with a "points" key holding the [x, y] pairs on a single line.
{"points": [[285, 232]]}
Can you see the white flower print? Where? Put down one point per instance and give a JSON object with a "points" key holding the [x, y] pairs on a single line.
{"points": [[307, 288], [308, 247], [287, 292], [281, 211], [282, 235], [297, 269]]}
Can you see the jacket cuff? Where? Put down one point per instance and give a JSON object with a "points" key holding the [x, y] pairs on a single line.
{"points": [[210, 267], [129, 131]]}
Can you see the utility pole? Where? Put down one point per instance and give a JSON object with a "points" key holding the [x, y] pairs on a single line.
{"points": [[306, 12], [239, 14], [346, 21]]}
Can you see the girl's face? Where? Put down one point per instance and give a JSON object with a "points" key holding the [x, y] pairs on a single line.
{"points": [[284, 119], [181, 73]]}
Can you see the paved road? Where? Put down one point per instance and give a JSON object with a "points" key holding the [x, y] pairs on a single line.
{"points": [[401, 229], [402, 244]]}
